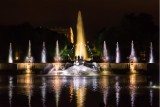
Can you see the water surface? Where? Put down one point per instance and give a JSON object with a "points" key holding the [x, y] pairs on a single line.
{"points": [[127, 90]]}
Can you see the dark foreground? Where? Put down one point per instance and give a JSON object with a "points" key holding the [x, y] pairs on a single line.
{"points": [[114, 90]]}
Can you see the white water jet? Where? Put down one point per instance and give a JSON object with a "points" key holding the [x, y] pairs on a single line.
{"points": [[105, 53], [29, 58], [10, 58], [57, 57], [117, 54], [43, 53], [132, 55], [151, 59]]}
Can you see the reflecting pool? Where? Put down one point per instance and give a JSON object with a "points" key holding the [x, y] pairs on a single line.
{"points": [[127, 90]]}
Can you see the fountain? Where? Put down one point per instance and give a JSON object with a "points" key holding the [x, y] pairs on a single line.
{"points": [[79, 67], [105, 57], [71, 35], [132, 57], [117, 54], [81, 44], [10, 58], [57, 57], [151, 59], [29, 58], [43, 53]]}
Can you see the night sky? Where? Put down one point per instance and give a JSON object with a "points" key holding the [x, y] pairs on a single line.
{"points": [[63, 13]]}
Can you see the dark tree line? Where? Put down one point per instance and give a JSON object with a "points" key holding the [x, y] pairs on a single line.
{"points": [[137, 27]]}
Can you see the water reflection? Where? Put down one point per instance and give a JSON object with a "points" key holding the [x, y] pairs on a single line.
{"points": [[43, 91], [117, 87], [151, 93], [71, 91], [94, 83], [78, 91], [27, 86], [57, 85], [10, 90], [104, 83], [132, 87]]}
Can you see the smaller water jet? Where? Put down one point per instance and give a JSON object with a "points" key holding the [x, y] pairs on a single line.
{"points": [[105, 57], [43, 53], [71, 35], [151, 59], [10, 58], [117, 54], [57, 57], [29, 58], [132, 57]]}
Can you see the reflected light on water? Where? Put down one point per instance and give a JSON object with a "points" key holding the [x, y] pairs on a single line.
{"points": [[133, 89], [43, 91], [151, 93], [57, 85], [117, 87], [105, 88], [94, 83], [10, 90], [78, 91], [71, 90], [80, 88], [27, 81]]}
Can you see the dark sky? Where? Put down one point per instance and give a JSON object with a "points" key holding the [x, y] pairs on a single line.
{"points": [[96, 13]]}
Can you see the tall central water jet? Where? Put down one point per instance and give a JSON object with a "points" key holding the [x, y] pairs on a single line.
{"points": [[10, 58], [151, 59], [117, 54], [81, 44], [132, 57], [105, 53], [57, 57], [43, 53]]}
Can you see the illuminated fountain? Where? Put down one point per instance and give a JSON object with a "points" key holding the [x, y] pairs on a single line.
{"points": [[29, 58], [132, 57], [10, 58], [43, 53], [81, 50], [151, 59], [133, 89], [71, 35], [57, 57], [105, 57], [117, 54], [79, 67]]}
